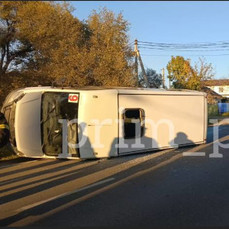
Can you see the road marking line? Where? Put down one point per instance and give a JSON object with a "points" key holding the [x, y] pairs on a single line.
{"points": [[64, 194], [196, 154]]}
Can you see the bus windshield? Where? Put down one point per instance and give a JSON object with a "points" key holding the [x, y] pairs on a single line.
{"points": [[55, 106]]}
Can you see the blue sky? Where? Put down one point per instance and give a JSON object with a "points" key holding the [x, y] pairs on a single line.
{"points": [[171, 22]]}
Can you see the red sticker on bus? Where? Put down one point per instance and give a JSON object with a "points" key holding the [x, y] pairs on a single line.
{"points": [[73, 98]]}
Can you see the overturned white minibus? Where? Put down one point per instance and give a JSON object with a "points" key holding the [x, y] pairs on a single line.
{"points": [[103, 122]]}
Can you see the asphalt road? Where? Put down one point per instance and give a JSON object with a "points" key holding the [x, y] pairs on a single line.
{"points": [[162, 188]]}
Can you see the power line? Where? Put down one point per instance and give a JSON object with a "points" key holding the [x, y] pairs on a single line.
{"points": [[190, 47], [226, 54], [200, 44], [181, 50]]}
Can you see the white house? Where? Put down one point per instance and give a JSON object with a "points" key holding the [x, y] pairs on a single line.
{"points": [[220, 86]]}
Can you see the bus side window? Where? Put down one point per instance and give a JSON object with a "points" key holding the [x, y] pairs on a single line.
{"points": [[133, 123]]}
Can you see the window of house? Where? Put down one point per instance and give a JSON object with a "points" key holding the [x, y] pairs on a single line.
{"points": [[133, 123]]}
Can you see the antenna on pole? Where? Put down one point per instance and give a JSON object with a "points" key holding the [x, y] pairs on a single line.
{"points": [[138, 56]]}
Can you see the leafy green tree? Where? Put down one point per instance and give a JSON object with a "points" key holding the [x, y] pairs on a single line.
{"points": [[183, 75], [154, 79]]}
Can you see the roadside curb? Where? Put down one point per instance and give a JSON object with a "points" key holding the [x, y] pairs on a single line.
{"points": [[221, 121]]}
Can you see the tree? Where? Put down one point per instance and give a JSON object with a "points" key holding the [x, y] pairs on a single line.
{"points": [[204, 70], [183, 75], [44, 39], [109, 53], [31, 32], [154, 79], [103, 59], [14, 49], [55, 35], [91, 53]]}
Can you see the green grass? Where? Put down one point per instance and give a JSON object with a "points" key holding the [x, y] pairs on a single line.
{"points": [[7, 153]]}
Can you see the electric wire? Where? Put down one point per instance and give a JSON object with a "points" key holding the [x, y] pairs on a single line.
{"points": [[217, 48]]}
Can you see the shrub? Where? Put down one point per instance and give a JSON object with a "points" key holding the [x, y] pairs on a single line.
{"points": [[213, 110]]}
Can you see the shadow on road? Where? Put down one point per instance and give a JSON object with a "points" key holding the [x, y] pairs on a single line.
{"points": [[131, 168]]}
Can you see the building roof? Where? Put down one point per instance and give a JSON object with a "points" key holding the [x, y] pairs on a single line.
{"points": [[211, 93], [219, 82]]}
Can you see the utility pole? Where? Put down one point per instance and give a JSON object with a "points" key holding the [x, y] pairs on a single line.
{"points": [[136, 60], [163, 77], [138, 56]]}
